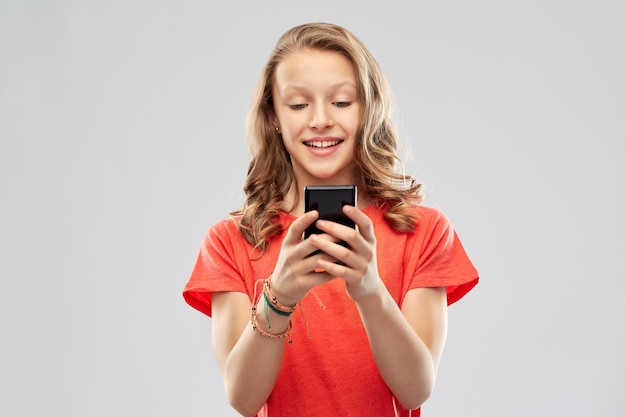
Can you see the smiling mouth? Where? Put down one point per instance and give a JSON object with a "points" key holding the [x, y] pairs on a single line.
{"points": [[321, 144]]}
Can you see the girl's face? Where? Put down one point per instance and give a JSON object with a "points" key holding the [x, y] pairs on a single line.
{"points": [[317, 109]]}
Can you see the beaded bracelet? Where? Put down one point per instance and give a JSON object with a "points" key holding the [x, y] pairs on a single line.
{"points": [[275, 305], [257, 328]]}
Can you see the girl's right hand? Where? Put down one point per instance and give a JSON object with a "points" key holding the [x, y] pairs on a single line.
{"points": [[294, 274]]}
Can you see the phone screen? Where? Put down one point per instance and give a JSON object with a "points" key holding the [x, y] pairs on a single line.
{"points": [[328, 200]]}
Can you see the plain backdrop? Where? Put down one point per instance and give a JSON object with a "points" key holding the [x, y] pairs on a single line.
{"points": [[122, 128]]}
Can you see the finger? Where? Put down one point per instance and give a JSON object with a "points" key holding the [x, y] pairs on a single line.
{"points": [[325, 236], [340, 232], [309, 272], [307, 249], [363, 222], [334, 269], [336, 231], [297, 228], [333, 250]]}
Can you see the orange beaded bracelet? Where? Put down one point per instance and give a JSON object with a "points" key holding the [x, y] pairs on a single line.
{"points": [[275, 303], [262, 332]]}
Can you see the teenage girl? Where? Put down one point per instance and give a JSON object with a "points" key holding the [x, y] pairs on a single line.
{"points": [[300, 335]]}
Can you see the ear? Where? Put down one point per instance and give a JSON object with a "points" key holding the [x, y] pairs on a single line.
{"points": [[271, 117]]}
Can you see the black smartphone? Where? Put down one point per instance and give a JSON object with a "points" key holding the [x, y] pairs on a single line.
{"points": [[328, 200]]}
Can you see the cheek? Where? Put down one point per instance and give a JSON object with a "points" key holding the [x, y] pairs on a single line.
{"points": [[353, 120], [287, 135], [292, 128], [288, 142]]}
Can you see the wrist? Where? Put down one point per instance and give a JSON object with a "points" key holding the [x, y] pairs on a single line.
{"points": [[269, 317], [277, 297], [269, 320], [368, 295]]}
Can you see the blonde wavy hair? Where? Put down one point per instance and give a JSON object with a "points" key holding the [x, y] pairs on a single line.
{"points": [[270, 174]]}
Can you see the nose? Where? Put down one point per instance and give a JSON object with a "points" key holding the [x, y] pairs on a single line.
{"points": [[320, 118]]}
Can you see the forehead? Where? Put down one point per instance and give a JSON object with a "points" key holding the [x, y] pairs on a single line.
{"points": [[312, 69]]}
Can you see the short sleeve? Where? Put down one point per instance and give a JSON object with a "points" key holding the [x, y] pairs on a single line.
{"points": [[442, 260], [216, 268]]}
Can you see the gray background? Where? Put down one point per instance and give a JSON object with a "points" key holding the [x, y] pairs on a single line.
{"points": [[122, 141]]}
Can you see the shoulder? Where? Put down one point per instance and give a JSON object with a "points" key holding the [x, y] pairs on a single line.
{"points": [[432, 223], [227, 227], [425, 216], [224, 234], [427, 213]]}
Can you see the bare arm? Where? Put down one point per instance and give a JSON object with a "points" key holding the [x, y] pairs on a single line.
{"points": [[406, 342], [250, 362]]}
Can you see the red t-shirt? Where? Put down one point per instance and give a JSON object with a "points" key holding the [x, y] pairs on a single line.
{"points": [[331, 371]]}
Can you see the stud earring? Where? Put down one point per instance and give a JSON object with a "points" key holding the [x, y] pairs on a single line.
{"points": [[277, 129]]}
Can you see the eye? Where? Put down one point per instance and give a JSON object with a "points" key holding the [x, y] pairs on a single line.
{"points": [[342, 103], [297, 106]]}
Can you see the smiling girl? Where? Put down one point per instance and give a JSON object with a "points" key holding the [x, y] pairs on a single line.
{"points": [[300, 335]]}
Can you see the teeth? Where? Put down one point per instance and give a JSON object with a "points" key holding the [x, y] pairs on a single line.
{"points": [[323, 144]]}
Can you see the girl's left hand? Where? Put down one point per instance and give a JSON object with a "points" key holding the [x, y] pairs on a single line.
{"points": [[359, 269]]}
